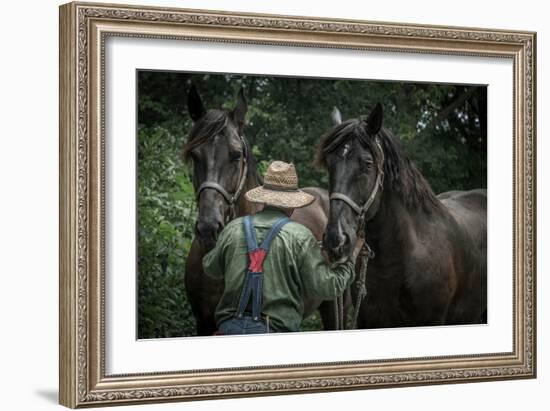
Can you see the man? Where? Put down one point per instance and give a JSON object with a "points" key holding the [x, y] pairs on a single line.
{"points": [[269, 264]]}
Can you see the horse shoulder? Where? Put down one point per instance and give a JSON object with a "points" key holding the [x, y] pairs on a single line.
{"points": [[429, 264], [421, 293]]}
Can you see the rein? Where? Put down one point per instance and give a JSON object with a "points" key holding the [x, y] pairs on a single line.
{"points": [[230, 199], [365, 252]]}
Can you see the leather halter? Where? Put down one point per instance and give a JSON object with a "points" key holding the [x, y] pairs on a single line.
{"points": [[229, 198], [361, 210]]}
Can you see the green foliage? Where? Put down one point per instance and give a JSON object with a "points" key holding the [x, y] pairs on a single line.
{"points": [[442, 128], [166, 214]]}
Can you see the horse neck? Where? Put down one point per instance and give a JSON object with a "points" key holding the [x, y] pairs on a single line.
{"points": [[391, 230]]}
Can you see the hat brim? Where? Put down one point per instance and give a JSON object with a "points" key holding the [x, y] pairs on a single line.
{"points": [[284, 199]]}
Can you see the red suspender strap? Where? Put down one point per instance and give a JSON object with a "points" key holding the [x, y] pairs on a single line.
{"points": [[257, 255], [256, 259]]}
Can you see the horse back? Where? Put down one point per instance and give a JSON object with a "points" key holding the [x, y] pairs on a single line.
{"points": [[469, 209], [315, 215]]}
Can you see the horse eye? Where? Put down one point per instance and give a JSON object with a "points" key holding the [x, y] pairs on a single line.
{"points": [[235, 156], [367, 163]]}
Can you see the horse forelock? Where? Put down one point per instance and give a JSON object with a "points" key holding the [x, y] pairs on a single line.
{"points": [[336, 136], [210, 125], [400, 173], [342, 134]]}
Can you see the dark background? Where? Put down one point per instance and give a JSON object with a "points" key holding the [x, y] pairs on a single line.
{"points": [[442, 127]]}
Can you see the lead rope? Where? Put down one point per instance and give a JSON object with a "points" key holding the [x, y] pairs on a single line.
{"points": [[336, 305], [342, 321], [365, 254]]}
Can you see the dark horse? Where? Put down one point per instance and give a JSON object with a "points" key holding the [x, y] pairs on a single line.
{"points": [[430, 264], [223, 170]]}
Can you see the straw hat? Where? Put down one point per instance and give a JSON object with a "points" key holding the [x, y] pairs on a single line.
{"points": [[280, 188]]}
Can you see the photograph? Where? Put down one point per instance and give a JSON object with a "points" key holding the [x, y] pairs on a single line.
{"points": [[259, 204], [269, 204]]}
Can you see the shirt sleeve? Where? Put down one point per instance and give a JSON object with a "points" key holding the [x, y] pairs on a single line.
{"points": [[319, 278], [213, 261]]}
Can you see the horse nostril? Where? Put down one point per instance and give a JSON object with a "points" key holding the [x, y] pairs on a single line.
{"points": [[344, 241], [336, 242], [209, 229]]}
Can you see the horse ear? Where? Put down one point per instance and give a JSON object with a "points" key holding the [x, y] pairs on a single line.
{"points": [[239, 112], [336, 116], [194, 104], [374, 120]]}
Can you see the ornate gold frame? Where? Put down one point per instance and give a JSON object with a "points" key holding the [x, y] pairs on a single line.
{"points": [[83, 30]]}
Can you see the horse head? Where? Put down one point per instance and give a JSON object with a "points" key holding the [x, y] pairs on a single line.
{"points": [[354, 158], [218, 151]]}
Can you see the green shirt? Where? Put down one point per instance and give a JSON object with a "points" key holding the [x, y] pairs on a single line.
{"points": [[294, 269]]}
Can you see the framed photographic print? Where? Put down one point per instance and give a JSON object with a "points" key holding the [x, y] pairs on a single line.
{"points": [[260, 204]]}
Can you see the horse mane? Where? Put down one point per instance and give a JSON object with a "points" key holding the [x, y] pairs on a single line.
{"points": [[211, 124], [400, 174]]}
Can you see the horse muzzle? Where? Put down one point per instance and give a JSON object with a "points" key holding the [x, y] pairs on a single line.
{"points": [[337, 246], [207, 233]]}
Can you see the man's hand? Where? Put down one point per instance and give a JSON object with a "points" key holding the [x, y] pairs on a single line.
{"points": [[358, 246]]}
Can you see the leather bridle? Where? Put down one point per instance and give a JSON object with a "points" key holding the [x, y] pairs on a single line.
{"points": [[361, 210], [230, 199], [366, 253]]}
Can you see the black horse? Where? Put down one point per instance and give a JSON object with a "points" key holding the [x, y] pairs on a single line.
{"points": [[224, 168], [430, 264]]}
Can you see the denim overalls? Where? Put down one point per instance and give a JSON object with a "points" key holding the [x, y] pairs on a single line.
{"points": [[244, 322]]}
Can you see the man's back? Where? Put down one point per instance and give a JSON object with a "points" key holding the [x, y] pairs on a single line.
{"points": [[294, 269]]}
